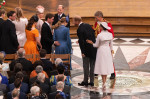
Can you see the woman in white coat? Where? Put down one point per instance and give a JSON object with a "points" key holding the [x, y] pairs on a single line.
{"points": [[104, 59], [20, 24]]}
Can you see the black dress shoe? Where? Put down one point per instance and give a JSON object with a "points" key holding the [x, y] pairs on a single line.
{"points": [[83, 84], [91, 84], [112, 76]]}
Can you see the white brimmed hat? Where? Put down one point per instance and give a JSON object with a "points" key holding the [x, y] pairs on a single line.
{"points": [[105, 25]]}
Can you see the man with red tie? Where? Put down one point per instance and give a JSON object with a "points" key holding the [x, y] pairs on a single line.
{"points": [[99, 18]]}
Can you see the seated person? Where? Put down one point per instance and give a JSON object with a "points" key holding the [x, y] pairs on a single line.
{"points": [[40, 81], [59, 62], [34, 79], [3, 87], [38, 69], [47, 64], [18, 68], [4, 78], [59, 87], [24, 86], [26, 64], [35, 93], [15, 94], [17, 88], [66, 89], [67, 79]]}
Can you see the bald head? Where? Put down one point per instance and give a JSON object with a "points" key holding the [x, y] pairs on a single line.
{"points": [[21, 52]]}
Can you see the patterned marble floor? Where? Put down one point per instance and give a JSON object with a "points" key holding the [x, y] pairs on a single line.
{"points": [[132, 62]]}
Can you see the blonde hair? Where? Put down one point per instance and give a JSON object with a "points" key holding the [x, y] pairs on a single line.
{"points": [[19, 13], [62, 20]]}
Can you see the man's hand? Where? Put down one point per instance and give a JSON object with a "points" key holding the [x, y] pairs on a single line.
{"points": [[57, 43], [112, 52], [83, 55]]}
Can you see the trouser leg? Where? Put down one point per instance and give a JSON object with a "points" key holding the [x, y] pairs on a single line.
{"points": [[86, 68], [92, 66]]}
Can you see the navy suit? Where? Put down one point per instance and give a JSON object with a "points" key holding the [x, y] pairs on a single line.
{"points": [[47, 65], [21, 95], [24, 87]]}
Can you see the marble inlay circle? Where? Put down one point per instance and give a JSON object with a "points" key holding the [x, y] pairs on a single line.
{"points": [[126, 83]]}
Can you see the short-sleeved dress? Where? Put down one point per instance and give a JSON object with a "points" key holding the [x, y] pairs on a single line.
{"points": [[31, 44]]}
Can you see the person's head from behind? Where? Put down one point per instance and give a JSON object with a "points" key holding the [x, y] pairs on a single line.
{"points": [[35, 91], [99, 16], [63, 20], [77, 20], [19, 75], [60, 9], [40, 11], [41, 77], [19, 13], [2, 13], [2, 56], [43, 53], [60, 69], [60, 86], [58, 61], [21, 53], [18, 67], [15, 94], [60, 78], [11, 15], [38, 62], [39, 69], [33, 21], [49, 18], [17, 83]]}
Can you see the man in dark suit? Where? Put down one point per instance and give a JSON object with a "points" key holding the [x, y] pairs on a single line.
{"points": [[59, 87], [26, 64], [23, 87], [59, 15], [46, 33], [47, 64], [88, 52], [2, 15], [8, 39]]}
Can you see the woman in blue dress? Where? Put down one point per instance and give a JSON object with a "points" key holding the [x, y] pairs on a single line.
{"points": [[62, 39]]}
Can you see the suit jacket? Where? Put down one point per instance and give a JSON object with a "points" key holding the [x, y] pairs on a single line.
{"points": [[44, 87], [27, 65], [53, 95], [13, 77], [66, 89], [48, 66], [46, 38], [21, 95], [32, 80], [56, 19], [24, 87], [85, 32], [1, 22], [3, 88], [8, 39]]}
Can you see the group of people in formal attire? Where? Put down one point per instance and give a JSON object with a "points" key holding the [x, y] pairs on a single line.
{"points": [[21, 36], [97, 54]]}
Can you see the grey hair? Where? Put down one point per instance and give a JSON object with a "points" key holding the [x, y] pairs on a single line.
{"points": [[60, 85], [21, 52], [39, 69], [41, 76], [58, 61], [61, 6], [34, 90], [99, 14]]}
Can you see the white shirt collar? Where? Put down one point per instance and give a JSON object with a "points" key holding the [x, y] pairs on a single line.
{"points": [[60, 14], [59, 90], [80, 23], [9, 19], [47, 23]]}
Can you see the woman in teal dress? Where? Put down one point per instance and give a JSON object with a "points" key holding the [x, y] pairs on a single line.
{"points": [[62, 39]]}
